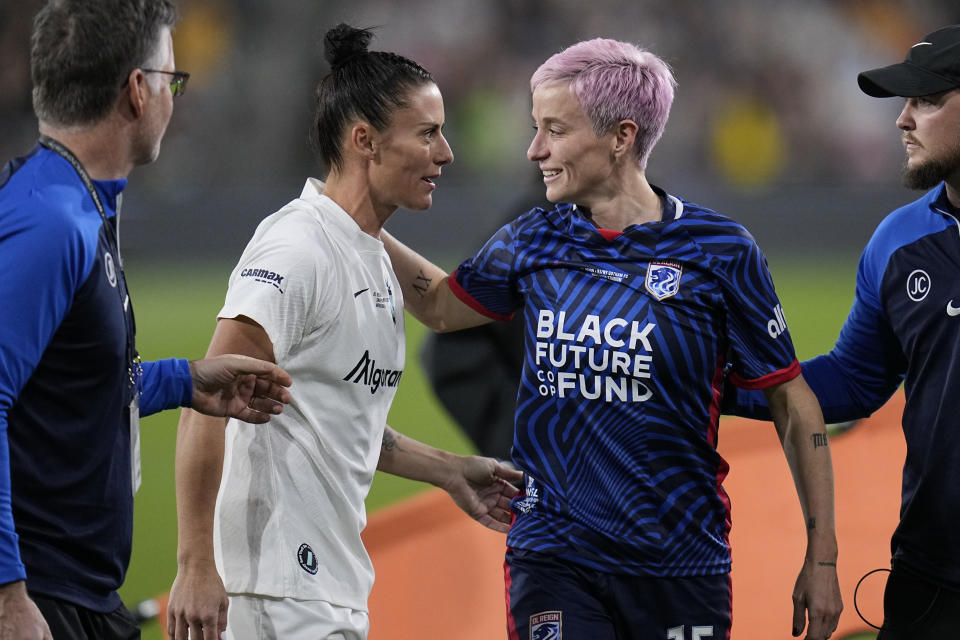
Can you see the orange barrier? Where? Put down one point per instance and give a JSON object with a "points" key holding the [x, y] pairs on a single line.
{"points": [[440, 575]]}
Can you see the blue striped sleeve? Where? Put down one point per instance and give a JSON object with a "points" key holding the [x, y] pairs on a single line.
{"points": [[487, 282], [761, 348]]}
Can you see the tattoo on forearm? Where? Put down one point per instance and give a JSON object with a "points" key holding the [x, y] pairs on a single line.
{"points": [[390, 439], [828, 564], [820, 440], [811, 523], [421, 283]]}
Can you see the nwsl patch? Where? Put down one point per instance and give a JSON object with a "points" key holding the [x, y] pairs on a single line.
{"points": [[663, 279], [547, 625]]}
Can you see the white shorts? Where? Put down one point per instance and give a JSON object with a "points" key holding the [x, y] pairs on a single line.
{"points": [[262, 618]]}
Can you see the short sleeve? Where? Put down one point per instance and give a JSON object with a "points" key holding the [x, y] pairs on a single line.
{"points": [[761, 349], [279, 284], [487, 282]]}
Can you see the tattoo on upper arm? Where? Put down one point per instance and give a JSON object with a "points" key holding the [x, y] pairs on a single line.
{"points": [[811, 523], [421, 283], [828, 564], [820, 440], [390, 439]]}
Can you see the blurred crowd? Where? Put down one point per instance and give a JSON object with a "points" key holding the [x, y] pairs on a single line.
{"points": [[767, 100]]}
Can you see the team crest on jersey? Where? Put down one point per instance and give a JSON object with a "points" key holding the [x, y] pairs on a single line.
{"points": [[663, 279], [110, 269], [307, 559], [547, 625]]}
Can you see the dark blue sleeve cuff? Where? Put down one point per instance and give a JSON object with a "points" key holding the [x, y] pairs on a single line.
{"points": [[11, 569]]}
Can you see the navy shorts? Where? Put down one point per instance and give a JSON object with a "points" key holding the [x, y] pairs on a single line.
{"points": [[549, 598]]}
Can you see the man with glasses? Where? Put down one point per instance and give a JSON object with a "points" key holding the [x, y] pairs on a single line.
{"points": [[178, 80], [71, 384]]}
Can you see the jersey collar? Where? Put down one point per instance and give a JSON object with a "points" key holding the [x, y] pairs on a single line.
{"points": [[576, 220], [941, 203]]}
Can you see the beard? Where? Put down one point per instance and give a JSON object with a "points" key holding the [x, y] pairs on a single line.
{"points": [[930, 173]]}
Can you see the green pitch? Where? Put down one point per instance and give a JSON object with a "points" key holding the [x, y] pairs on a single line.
{"points": [[176, 309]]}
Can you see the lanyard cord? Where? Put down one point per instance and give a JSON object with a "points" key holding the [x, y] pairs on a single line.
{"points": [[134, 368], [66, 154]]}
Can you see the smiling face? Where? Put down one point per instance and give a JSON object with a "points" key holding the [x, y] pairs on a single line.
{"points": [[576, 163], [931, 136], [410, 153]]}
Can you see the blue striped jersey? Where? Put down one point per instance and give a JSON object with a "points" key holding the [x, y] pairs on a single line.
{"points": [[628, 338]]}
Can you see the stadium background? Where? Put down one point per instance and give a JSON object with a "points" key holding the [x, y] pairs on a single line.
{"points": [[768, 127]]}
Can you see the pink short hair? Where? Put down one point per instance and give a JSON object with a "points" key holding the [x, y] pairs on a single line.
{"points": [[615, 81]]}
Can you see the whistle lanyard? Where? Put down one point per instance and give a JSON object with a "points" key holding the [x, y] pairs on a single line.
{"points": [[134, 369]]}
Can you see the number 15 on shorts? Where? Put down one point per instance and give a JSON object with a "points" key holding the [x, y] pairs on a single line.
{"points": [[696, 633]]}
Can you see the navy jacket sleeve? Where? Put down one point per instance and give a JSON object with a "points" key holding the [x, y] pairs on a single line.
{"points": [[43, 266], [861, 372]]}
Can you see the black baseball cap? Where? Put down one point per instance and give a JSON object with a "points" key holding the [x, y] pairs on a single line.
{"points": [[931, 66]]}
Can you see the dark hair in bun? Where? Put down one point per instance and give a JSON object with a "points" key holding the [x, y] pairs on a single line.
{"points": [[343, 42], [363, 84]]}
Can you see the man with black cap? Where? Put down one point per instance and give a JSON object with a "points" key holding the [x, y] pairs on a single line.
{"points": [[905, 326]]}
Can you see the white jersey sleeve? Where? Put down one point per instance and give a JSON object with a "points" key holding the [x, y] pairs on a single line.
{"points": [[278, 283]]}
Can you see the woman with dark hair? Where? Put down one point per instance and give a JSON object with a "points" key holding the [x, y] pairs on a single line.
{"points": [[315, 292]]}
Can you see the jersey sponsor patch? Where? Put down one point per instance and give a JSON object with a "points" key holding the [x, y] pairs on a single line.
{"points": [[778, 324], [367, 373], [265, 276], [593, 358], [547, 625], [307, 559], [663, 279]]}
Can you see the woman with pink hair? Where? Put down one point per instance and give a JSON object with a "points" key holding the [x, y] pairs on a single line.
{"points": [[638, 305]]}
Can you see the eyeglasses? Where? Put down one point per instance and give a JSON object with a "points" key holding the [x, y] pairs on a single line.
{"points": [[178, 85]]}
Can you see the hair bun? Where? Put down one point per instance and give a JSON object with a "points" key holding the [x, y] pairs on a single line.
{"points": [[344, 42]]}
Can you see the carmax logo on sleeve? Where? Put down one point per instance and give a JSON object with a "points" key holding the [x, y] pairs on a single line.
{"points": [[367, 373], [264, 275]]}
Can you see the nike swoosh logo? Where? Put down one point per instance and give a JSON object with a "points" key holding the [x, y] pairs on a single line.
{"points": [[952, 310], [361, 291]]}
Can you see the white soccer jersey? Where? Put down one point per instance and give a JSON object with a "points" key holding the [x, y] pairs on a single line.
{"points": [[291, 504]]}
